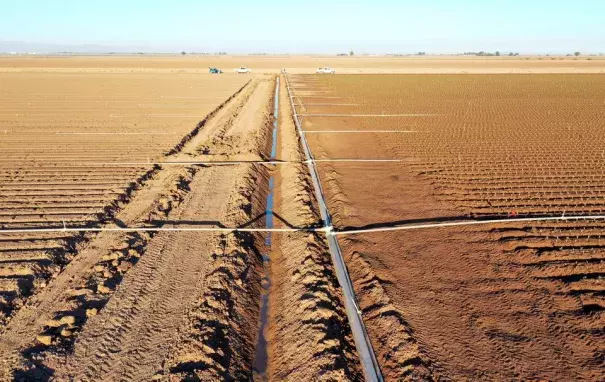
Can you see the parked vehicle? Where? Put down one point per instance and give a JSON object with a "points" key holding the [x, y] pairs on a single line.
{"points": [[214, 70], [243, 69], [325, 71]]}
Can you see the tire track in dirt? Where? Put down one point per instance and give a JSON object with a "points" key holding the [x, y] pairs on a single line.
{"points": [[151, 304], [154, 298], [188, 307], [218, 339], [149, 199], [89, 280], [60, 257], [231, 137]]}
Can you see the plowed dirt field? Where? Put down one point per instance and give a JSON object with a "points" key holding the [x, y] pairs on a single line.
{"points": [[140, 169], [109, 151], [305, 64], [501, 301], [75, 147]]}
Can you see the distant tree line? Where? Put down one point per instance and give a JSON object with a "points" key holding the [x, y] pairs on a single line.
{"points": [[488, 54], [201, 53], [482, 53]]}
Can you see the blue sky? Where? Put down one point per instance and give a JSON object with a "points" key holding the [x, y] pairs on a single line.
{"points": [[379, 26]]}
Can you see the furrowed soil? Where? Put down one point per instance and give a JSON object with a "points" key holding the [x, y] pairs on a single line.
{"points": [[115, 309], [445, 303], [86, 143], [161, 305], [75, 149]]}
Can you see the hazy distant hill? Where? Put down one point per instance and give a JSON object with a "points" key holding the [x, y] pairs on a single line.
{"points": [[26, 47]]}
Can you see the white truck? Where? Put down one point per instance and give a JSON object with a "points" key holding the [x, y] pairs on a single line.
{"points": [[325, 71], [243, 69]]}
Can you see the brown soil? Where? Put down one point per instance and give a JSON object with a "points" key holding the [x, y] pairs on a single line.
{"points": [[385, 194], [308, 324], [308, 64], [173, 305], [467, 302], [438, 304], [445, 303], [107, 289], [491, 145], [51, 179]]}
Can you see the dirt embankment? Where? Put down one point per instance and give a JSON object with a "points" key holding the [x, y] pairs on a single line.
{"points": [[80, 167], [395, 345], [124, 294], [186, 305], [309, 335]]}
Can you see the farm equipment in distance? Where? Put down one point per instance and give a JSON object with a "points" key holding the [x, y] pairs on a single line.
{"points": [[214, 71], [325, 70]]}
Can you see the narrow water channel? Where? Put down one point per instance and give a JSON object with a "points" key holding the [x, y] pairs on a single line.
{"points": [[261, 356]]}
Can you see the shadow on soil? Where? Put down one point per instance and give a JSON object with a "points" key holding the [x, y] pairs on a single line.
{"points": [[217, 326], [248, 224], [38, 372], [161, 223], [445, 219]]}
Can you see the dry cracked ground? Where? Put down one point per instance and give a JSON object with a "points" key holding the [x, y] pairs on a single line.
{"points": [[178, 305]]}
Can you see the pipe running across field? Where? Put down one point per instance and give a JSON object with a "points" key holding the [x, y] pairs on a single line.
{"points": [[359, 131], [369, 364], [328, 104], [469, 223], [203, 163], [156, 229], [303, 229], [366, 115]]}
